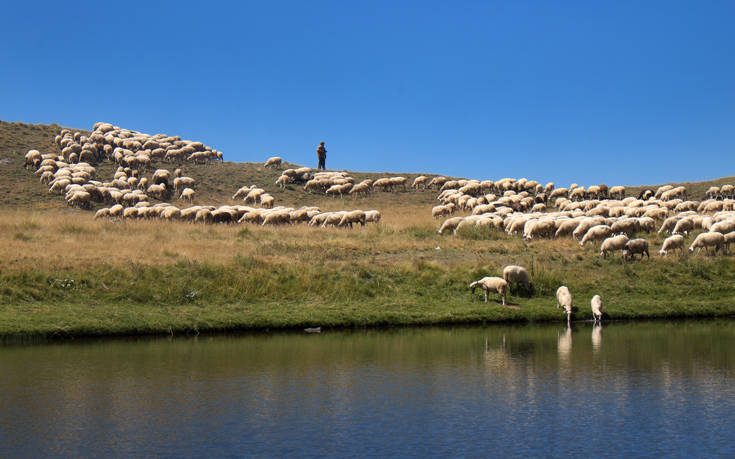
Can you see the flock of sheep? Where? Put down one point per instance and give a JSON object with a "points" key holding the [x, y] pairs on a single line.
{"points": [[518, 275], [596, 215]]}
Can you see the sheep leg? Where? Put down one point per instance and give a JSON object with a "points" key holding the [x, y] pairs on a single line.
{"points": [[487, 295]]}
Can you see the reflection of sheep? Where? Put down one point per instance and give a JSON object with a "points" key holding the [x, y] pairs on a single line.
{"points": [[564, 300], [707, 240], [489, 284], [596, 305], [672, 243]]}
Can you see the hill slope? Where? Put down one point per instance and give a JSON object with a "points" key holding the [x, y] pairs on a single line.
{"points": [[216, 182]]}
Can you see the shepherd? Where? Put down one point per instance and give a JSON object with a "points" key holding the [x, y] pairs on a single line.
{"points": [[321, 153]]}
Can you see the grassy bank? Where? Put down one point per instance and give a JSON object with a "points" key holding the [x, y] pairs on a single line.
{"points": [[67, 275]]}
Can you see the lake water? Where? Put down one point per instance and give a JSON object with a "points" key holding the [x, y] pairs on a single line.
{"points": [[625, 389]]}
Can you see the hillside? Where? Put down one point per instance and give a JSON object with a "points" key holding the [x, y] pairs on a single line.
{"points": [[216, 182]]}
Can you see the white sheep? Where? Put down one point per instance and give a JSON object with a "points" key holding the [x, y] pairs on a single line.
{"points": [[372, 216], [596, 304], [419, 181], [564, 300], [450, 224], [494, 284], [596, 233], [514, 275], [187, 195], [707, 240], [273, 162], [613, 244], [672, 243]]}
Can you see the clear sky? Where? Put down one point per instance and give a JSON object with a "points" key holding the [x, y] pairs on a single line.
{"points": [[620, 92]]}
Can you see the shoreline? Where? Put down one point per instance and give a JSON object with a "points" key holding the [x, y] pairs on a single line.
{"points": [[130, 320]]}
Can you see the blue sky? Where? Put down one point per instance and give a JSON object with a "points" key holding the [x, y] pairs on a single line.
{"points": [[623, 92]]}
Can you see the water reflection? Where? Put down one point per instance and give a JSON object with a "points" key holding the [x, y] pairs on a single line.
{"points": [[596, 337], [429, 392]]}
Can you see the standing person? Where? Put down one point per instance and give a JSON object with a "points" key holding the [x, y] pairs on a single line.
{"points": [[321, 153]]}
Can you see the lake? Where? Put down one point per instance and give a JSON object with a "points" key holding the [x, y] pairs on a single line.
{"points": [[650, 388]]}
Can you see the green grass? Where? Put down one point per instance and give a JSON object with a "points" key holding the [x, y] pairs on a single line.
{"points": [[248, 293], [64, 274]]}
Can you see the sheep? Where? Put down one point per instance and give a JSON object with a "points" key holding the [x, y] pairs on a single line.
{"points": [[158, 191], [685, 225], [267, 201], [333, 218], [419, 182], [437, 182], [489, 284], [183, 182], [613, 244], [725, 226], [596, 305], [242, 192], [514, 275], [729, 238], [283, 180], [273, 162], [372, 216], [707, 240], [102, 213], [161, 176], [339, 189], [187, 194], [539, 228], [277, 217], [443, 210], [116, 210], [450, 224], [354, 216], [635, 246], [254, 195], [672, 243], [564, 300], [617, 192], [361, 187], [627, 226], [596, 233]]}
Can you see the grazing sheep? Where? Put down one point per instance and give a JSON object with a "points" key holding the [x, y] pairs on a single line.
{"points": [[372, 216], [596, 305], [515, 275], [267, 200], [724, 227], [354, 216], [489, 284], [617, 192], [443, 210], [564, 300], [183, 182], [613, 244], [450, 224], [672, 243], [729, 238], [635, 246], [187, 195], [242, 192], [361, 187], [594, 234], [685, 225], [102, 213], [419, 182], [273, 162], [707, 240]]}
